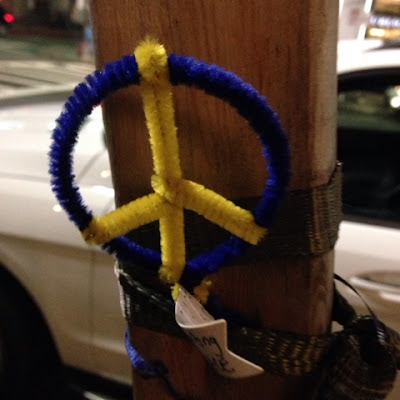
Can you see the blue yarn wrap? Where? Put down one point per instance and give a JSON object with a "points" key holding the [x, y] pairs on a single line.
{"points": [[151, 369]]}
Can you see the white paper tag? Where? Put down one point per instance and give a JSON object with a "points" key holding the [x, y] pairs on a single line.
{"points": [[210, 337]]}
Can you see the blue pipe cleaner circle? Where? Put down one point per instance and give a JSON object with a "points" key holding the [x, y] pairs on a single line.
{"points": [[215, 81]]}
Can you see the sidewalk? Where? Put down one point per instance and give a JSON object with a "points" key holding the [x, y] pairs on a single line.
{"points": [[38, 48], [31, 66]]}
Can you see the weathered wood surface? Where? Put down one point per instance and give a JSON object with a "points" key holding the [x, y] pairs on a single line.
{"points": [[285, 49]]}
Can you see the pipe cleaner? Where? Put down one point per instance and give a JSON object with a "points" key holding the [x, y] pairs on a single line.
{"points": [[154, 71]]}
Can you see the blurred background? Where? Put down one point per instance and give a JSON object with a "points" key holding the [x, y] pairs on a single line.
{"points": [[65, 22], [46, 48]]}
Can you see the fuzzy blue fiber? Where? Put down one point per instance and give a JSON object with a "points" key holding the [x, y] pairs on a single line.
{"points": [[214, 81], [255, 109], [80, 104], [151, 369]]}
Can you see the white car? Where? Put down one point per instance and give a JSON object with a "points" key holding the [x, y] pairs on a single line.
{"points": [[59, 297], [367, 253], [368, 250]]}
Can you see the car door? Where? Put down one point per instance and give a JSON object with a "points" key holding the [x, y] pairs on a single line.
{"points": [[368, 250], [108, 325]]}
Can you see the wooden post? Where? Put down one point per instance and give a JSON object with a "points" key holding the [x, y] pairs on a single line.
{"points": [[287, 51]]}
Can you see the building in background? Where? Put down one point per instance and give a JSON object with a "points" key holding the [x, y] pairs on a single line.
{"points": [[47, 14], [384, 22], [353, 18], [358, 19], [362, 19]]}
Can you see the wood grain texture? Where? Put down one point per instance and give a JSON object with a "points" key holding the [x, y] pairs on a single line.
{"points": [[285, 49]]}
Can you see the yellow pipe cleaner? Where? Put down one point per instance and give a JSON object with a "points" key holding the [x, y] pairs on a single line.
{"points": [[172, 194], [156, 92]]}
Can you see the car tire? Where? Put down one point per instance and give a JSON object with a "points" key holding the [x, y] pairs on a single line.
{"points": [[26, 353]]}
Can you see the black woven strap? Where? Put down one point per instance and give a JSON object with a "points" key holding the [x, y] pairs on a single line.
{"points": [[307, 224], [277, 352]]}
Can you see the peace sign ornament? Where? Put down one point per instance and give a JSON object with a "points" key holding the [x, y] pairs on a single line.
{"points": [[154, 72]]}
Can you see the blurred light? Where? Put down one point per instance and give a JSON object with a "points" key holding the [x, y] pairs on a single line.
{"points": [[362, 32], [376, 32], [57, 208], [392, 297], [368, 6], [395, 102], [9, 18], [92, 396], [105, 174], [51, 126]]}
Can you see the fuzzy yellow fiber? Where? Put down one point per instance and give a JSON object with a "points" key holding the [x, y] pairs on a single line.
{"points": [[152, 60], [158, 107], [175, 291], [130, 216], [212, 206], [202, 291], [172, 194]]}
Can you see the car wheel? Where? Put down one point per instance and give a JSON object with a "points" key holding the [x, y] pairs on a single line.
{"points": [[25, 352]]}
